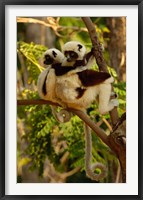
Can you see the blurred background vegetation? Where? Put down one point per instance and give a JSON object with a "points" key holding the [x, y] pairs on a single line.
{"points": [[48, 151]]}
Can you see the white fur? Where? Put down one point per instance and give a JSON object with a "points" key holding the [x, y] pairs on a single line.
{"points": [[49, 75], [50, 84], [62, 89], [66, 91], [73, 46], [67, 84], [105, 103]]}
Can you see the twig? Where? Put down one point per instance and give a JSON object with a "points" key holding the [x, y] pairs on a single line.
{"points": [[107, 124], [31, 60], [118, 176], [70, 173], [55, 25]]}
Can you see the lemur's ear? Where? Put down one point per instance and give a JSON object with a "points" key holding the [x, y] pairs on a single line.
{"points": [[54, 54], [79, 47]]}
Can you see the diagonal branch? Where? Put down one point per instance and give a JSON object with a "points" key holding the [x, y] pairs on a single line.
{"points": [[99, 58], [96, 44], [100, 132]]}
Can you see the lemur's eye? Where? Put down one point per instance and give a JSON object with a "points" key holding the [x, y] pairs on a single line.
{"points": [[73, 54], [48, 60], [47, 57]]}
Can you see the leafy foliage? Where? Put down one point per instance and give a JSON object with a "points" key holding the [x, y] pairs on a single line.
{"points": [[32, 54]]}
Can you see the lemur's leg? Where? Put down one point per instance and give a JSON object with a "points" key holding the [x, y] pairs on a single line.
{"points": [[105, 104]]}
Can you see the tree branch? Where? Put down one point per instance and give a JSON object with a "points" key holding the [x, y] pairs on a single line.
{"points": [[51, 24], [96, 44], [70, 173], [100, 132], [34, 102]]}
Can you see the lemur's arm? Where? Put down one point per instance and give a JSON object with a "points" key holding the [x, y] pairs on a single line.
{"points": [[86, 61]]}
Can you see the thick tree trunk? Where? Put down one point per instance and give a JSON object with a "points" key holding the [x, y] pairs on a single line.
{"points": [[40, 34], [117, 45]]}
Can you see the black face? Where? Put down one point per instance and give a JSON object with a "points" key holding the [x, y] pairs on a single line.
{"points": [[48, 60], [71, 56]]}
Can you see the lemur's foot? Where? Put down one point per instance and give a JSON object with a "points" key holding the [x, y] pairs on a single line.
{"points": [[115, 102], [113, 95]]}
